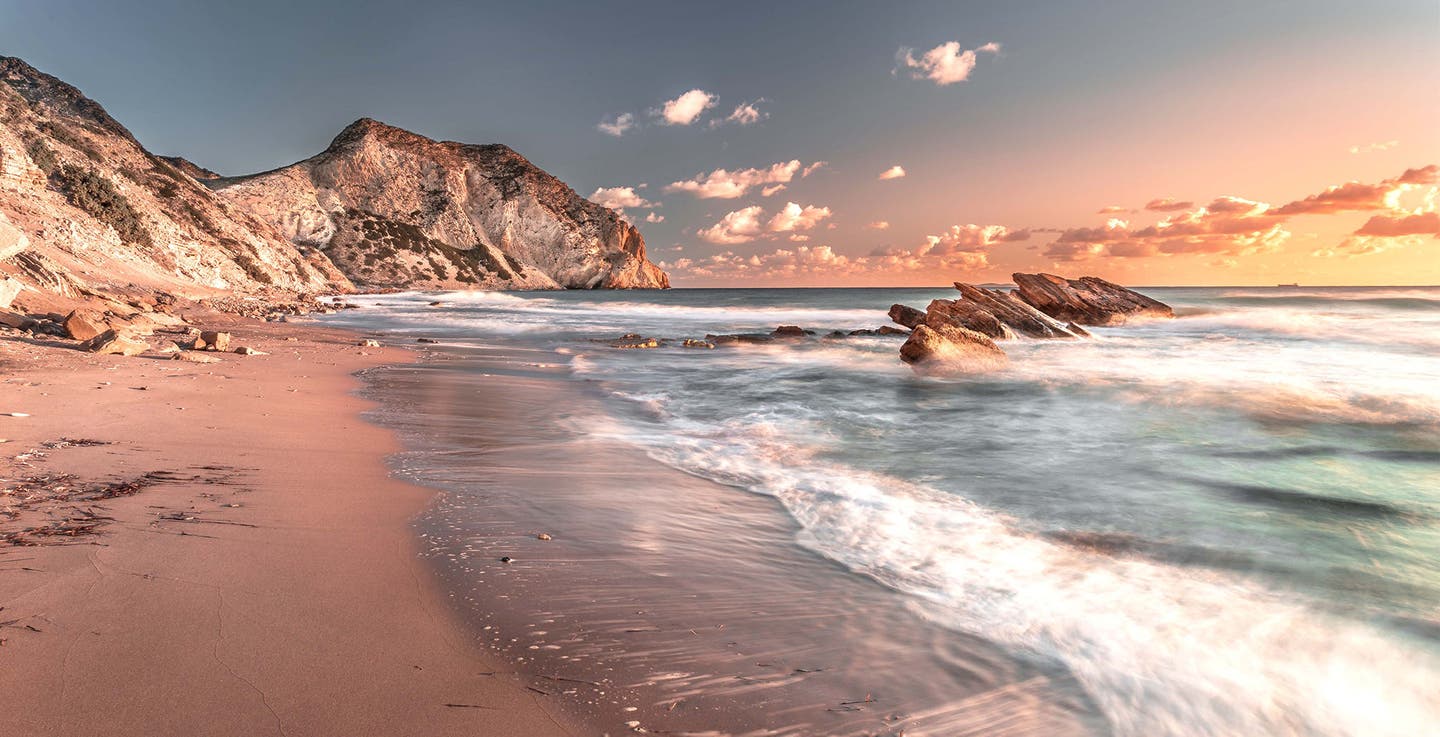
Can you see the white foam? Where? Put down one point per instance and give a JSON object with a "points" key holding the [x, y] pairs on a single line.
{"points": [[1162, 650]]}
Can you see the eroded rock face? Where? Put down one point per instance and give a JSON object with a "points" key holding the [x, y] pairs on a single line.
{"points": [[89, 210], [951, 349], [1088, 300], [394, 209]]}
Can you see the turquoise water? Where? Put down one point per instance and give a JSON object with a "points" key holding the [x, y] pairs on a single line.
{"points": [[1226, 523]]}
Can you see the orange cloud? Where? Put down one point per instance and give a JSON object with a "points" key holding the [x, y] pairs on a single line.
{"points": [[1168, 204], [1357, 197]]}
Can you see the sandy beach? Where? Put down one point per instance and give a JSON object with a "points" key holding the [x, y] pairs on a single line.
{"points": [[253, 571]]}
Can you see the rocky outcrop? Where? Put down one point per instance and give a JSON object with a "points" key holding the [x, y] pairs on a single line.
{"points": [[86, 210], [394, 209], [1088, 300], [951, 349], [993, 313]]}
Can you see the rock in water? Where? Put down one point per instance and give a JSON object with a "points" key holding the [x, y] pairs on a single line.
{"points": [[951, 349], [906, 315], [394, 209], [1088, 300]]}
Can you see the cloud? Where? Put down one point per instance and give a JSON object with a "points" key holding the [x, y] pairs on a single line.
{"points": [[1355, 196], [747, 224], [746, 113], [1422, 223], [878, 225], [783, 263], [960, 248], [894, 172], [619, 198], [1113, 210], [740, 226], [811, 169], [945, 64], [1227, 225], [794, 217], [728, 185], [687, 108], [618, 125], [772, 189], [1373, 147], [1168, 204], [654, 217]]}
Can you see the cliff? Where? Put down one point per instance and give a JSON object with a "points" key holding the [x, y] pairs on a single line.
{"points": [[391, 208], [85, 209]]}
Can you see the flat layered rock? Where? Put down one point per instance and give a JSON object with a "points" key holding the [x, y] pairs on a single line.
{"points": [[1088, 300]]}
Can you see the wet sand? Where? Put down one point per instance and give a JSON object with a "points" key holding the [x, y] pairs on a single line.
{"points": [[254, 571], [665, 602]]}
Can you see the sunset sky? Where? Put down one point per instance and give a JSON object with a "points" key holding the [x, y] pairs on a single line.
{"points": [[830, 143]]}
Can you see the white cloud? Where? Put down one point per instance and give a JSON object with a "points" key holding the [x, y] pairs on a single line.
{"points": [[794, 217], [746, 113], [772, 189], [894, 172], [687, 108], [748, 223], [654, 217], [727, 185], [945, 64], [618, 125], [740, 226], [878, 225], [619, 198], [811, 169], [1373, 147]]}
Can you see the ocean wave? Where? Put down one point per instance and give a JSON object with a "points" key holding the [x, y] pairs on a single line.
{"points": [[1161, 649]]}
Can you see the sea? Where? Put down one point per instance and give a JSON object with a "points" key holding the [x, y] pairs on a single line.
{"points": [[1226, 523]]}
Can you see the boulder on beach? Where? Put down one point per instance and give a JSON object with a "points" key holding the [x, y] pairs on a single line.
{"points": [[951, 349], [1088, 300], [115, 343], [84, 324], [212, 340]]}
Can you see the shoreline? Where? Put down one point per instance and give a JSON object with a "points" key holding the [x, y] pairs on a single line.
{"points": [[663, 601], [254, 569]]}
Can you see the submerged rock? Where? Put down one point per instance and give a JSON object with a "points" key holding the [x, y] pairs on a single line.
{"points": [[1088, 300], [790, 331], [739, 338], [692, 343]]}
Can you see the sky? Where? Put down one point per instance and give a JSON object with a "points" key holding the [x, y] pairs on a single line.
{"points": [[844, 143]]}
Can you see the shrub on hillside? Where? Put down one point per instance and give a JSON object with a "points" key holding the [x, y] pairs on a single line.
{"points": [[97, 196]]}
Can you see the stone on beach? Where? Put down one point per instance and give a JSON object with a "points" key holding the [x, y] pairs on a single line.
{"points": [[10, 288], [212, 340], [194, 357], [246, 350], [113, 342], [84, 324], [369, 343], [1088, 300]]}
